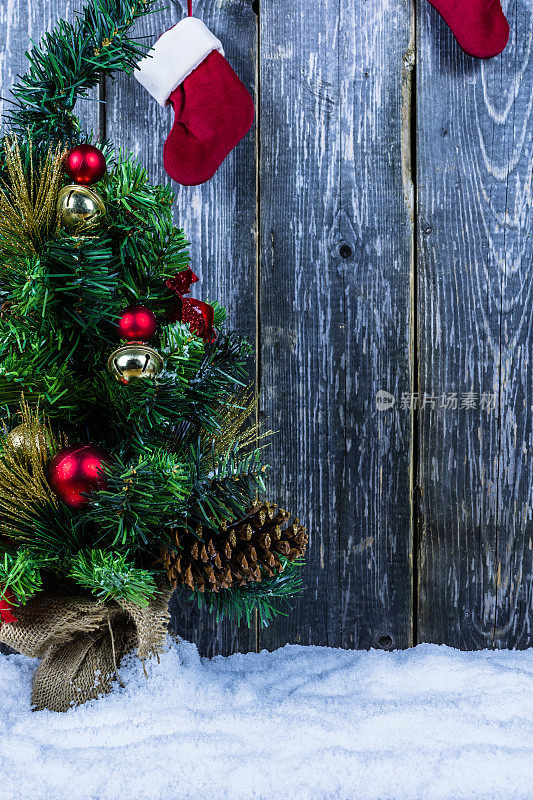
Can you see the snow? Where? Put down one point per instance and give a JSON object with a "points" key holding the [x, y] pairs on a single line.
{"points": [[302, 723]]}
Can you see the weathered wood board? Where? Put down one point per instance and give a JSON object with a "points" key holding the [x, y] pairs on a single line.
{"points": [[474, 156], [350, 283], [335, 260]]}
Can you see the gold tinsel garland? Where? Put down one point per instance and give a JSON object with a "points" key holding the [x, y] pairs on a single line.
{"points": [[28, 198], [24, 486], [236, 428]]}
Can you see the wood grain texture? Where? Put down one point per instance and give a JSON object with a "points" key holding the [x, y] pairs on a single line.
{"points": [[335, 330], [475, 153], [334, 325], [219, 219]]}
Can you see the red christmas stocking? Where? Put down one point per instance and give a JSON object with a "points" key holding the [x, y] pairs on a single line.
{"points": [[212, 108], [479, 26]]}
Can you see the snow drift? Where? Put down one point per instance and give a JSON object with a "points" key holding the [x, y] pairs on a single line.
{"points": [[302, 723]]}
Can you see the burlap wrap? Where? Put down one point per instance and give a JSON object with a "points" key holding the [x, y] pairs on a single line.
{"points": [[81, 643]]}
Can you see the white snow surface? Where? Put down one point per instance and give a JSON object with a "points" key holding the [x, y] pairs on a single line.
{"points": [[302, 723]]}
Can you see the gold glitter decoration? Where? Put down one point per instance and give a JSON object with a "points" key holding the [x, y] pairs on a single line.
{"points": [[236, 427], [28, 198], [23, 473], [20, 438]]}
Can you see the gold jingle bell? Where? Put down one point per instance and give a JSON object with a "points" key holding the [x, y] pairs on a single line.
{"points": [[79, 206], [134, 360]]}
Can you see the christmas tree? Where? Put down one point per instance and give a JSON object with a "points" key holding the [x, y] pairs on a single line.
{"points": [[130, 460]]}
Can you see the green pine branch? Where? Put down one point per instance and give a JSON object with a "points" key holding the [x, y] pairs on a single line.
{"points": [[223, 489], [69, 61], [110, 576], [269, 598], [21, 573], [141, 499]]}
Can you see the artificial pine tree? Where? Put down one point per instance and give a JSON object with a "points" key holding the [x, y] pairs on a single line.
{"points": [[127, 446]]}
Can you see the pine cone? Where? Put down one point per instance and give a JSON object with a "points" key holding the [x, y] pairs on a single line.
{"points": [[240, 552]]}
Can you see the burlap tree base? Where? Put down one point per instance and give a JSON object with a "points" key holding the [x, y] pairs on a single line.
{"points": [[80, 643]]}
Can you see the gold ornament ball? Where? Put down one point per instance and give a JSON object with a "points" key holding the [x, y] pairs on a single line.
{"points": [[134, 360], [21, 439], [79, 206]]}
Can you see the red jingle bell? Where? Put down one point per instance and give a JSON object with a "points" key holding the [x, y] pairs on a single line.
{"points": [[77, 471], [85, 164], [137, 324]]}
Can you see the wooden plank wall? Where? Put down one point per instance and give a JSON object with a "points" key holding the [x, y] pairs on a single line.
{"points": [[372, 233], [334, 308], [474, 161]]}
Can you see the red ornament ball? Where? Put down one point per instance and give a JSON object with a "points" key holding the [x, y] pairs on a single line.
{"points": [[75, 471], [137, 324], [85, 164]]}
